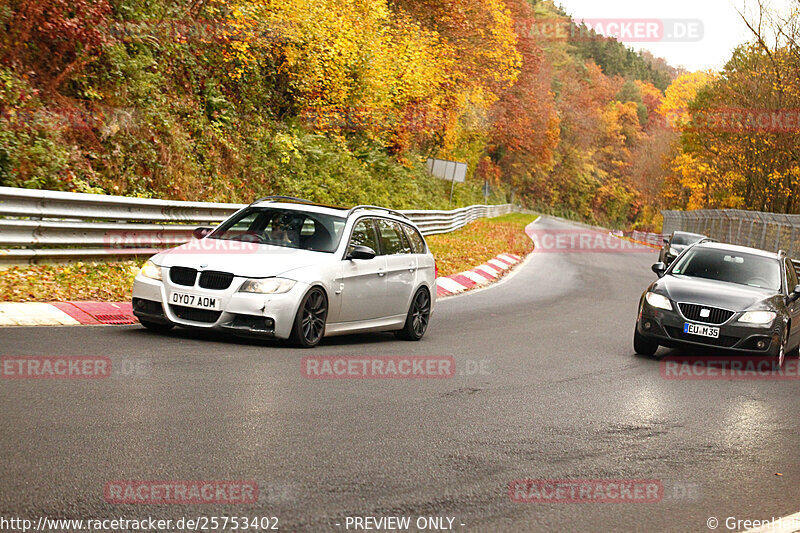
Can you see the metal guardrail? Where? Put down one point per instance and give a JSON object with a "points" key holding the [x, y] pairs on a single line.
{"points": [[50, 225], [656, 239], [15, 202], [435, 222], [756, 229]]}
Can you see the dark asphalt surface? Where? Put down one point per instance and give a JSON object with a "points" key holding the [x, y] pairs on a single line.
{"points": [[564, 397]]}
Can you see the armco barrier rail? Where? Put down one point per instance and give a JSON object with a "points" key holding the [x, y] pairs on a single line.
{"points": [[756, 229], [656, 239], [50, 225], [765, 231]]}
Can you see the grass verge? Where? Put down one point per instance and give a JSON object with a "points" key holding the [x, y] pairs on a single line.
{"points": [[111, 282], [106, 282], [480, 241]]}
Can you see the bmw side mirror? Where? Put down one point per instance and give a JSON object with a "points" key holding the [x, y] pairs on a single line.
{"points": [[660, 269], [666, 240], [199, 233], [361, 252]]}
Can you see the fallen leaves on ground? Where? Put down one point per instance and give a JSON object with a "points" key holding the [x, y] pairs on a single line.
{"points": [[106, 282]]}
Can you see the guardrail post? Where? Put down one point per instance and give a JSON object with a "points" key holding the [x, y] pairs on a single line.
{"points": [[739, 231], [763, 239]]}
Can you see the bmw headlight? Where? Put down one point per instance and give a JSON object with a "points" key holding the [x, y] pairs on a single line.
{"points": [[758, 317], [267, 286], [151, 270], [656, 300]]}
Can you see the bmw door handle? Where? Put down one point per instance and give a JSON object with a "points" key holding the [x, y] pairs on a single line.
{"points": [[381, 273], [412, 268]]}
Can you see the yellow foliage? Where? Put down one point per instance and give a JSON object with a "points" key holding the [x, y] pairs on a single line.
{"points": [[680, 94]]}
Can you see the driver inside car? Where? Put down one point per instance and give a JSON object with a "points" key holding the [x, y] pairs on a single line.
{"points": [[282, 230]]}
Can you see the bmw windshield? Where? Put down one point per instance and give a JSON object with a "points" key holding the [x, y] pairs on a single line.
{"points": [[288, 228], [731, 267]]}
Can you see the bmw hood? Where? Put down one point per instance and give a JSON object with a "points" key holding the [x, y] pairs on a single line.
{"points": [[241, 259], [713, 293]]}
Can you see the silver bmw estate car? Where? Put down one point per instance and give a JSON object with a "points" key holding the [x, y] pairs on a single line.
{"points": [[291, 269]]}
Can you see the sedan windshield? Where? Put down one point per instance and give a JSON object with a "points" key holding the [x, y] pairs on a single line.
{"points": [[731, 267], [288, 228]]}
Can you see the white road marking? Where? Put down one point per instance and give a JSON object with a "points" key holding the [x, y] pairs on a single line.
{"points": [[490, 271], [509, 258], [33, 314], [498, 264], [477, 278], [450, 285]]}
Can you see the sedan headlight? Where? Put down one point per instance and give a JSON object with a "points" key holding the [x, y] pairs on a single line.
{"points": [[151, 270], [267, 286], [758, 317], [656, 300], [674, 251]]}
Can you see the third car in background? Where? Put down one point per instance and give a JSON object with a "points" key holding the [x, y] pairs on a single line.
{"points": [[676, 243]]}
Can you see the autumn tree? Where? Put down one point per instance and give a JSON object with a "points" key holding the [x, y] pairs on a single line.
{"points": [[525, 123]]}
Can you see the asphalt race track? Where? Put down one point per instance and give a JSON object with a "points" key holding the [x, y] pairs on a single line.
{"points": [[561, 395]]}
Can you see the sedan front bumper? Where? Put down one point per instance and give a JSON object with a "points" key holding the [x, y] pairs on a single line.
{"points": [[666, 328]]}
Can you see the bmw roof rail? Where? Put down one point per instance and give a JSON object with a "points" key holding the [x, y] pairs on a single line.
{"points": [[392, 211], [287, 198]]}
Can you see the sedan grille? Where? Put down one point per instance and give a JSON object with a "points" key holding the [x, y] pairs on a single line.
{"points": [[183, 276], [715, 314], [195, 315], [215, 280]]}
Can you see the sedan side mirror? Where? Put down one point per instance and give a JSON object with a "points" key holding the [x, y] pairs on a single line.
{"points": [[199, 233], [795, 295], [666, 240], [659, 269], [361, 252]]}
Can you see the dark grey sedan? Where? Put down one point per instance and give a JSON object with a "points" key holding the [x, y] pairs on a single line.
{"points": [[722, 296]]}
